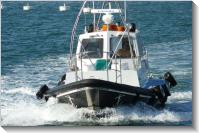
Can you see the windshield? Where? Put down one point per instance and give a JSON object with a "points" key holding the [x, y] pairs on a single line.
{"points": [[92, 48], [124, 50]]}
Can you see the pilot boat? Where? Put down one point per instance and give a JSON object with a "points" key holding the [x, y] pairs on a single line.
{"points": [[110, 65]]}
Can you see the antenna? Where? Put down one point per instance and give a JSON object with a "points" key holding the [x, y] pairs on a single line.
{"points": [[125, 11], [94, 16]]}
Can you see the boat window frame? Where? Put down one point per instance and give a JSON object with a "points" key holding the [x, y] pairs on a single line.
{"points": [[121, 46], [101, 51]]}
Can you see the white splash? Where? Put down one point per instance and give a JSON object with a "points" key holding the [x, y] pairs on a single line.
{"points": [[180, 96], [28, 114], [22, 90]]}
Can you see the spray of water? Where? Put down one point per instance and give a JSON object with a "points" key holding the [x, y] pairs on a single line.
{"points": [[34, 113]]}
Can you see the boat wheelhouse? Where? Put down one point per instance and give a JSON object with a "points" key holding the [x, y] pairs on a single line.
{"points": [[109, 55]]}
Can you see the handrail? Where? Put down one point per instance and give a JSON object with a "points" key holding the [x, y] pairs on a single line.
{"points": [[74, 29], [81, 70]]}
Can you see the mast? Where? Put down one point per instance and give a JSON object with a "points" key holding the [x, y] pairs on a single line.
{"points": [[94, 15], [125, 11]]}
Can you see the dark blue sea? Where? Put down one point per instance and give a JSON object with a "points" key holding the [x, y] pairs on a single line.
{"points": [[35, 51]]}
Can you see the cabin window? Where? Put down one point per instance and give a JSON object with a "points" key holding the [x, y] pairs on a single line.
{"points": [[92, 48], [124, 49]]}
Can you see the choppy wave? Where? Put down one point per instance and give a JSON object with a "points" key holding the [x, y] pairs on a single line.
{"points": [[30, 115], [26, 91], [40, 113], [171, 56], [48, 70], [180, 96]]}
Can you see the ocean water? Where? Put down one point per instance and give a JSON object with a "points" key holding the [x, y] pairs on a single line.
{"points": [[35, 51]]}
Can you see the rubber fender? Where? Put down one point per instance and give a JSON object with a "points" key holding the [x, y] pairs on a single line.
{"points": [[133, 28], [43, 89], [62, 80], [161, 94], [169, 77]]}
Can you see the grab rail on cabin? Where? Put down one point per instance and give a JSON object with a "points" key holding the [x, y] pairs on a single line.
{"points": [[74, 29], [118, 71]]}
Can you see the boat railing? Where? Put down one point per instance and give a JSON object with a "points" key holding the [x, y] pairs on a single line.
{"points": [[116, 70], [79, 72], [74, 29]]}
